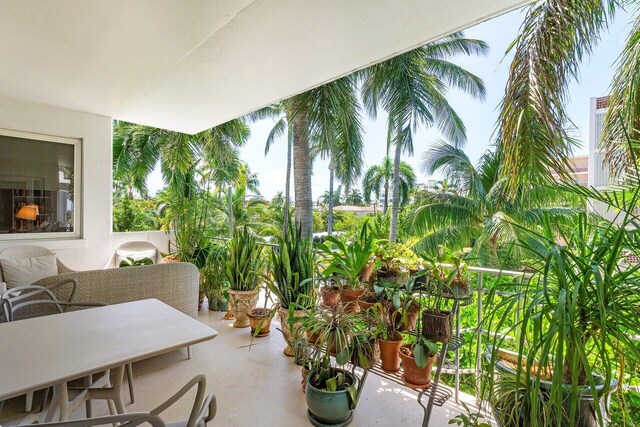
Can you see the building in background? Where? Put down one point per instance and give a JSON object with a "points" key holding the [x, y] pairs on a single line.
{"points": [[579, 169]]}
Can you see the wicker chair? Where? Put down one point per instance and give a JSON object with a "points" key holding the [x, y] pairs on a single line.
{"points": [[133, 247]]}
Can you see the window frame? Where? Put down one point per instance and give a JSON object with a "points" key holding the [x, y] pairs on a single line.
{"points": [[76, 234]]}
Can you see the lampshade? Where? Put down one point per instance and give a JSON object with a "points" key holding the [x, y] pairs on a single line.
{"points": [[28, 212]]}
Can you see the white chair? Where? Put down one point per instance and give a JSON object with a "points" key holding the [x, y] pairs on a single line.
{"points": [[203, 410], [135, 249]]}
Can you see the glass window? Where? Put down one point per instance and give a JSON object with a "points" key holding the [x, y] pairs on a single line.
{"points": [[39, 186]]}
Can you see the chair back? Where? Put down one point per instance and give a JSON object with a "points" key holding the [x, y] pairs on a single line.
{"points": [[18, 252], [132, 248]]}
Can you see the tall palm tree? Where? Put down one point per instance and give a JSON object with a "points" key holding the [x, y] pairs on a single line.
{"points": [[481, 214], [322, 121], [137, 150], [376, 180], [412, 89], [554, 38]]}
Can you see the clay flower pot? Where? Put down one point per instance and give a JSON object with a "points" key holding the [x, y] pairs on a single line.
{"points": [[390, 355], [283, 314], [260, 320], [243, 301], [413, 376], [330, 296], [349, 299], [365, 274]]}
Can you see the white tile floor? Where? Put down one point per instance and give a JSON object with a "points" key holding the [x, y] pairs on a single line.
{"points": [[255, 386]]}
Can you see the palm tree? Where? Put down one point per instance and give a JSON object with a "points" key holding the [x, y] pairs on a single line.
{"points": [[377, 178], [481, 215], [137, 150], [332, 197], [412, 89], [322, 121], [554, 37], [354, 198]]}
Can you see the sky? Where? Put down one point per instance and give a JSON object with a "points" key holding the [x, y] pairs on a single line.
{"points": [[479, 116]]}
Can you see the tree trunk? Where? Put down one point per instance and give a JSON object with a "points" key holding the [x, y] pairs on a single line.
{"points": [[302, 170], [287, 187], [330, 215], [386, 196], [230, 212], [395, 208]]}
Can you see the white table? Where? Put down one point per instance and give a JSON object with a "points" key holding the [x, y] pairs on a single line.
{"points": [[50, 351]]}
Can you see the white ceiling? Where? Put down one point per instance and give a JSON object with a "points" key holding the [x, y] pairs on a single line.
{"points": [[188, 65]]}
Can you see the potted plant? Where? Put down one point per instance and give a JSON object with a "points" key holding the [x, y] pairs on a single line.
{"points": [[437, 321], [395, 262], [292, 267], [214, 277], [331, 394], [577, 312], [348, 261], [260, 318], [244, 272], [417, 359], [330, 292], [332, 327], [390, 338], [458, 288]]}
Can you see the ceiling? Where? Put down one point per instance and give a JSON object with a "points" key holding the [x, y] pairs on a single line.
{"points": [[188, 65]]}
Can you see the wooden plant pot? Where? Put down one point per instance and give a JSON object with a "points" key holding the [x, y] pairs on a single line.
{"points": [[349, 299], [260, 321], [390, 355], [243, 301], [437, 327], [412, 375]]}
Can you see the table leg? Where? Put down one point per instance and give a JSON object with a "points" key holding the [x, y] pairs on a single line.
{"points": [[116, 391], [63, 394], [53, 406]]}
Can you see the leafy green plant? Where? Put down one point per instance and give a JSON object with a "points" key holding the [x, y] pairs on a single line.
{"points": [[215, 283], [578, 313], [245, 264], [469, 418], [347, 259], [130, 262], [326, 377], [292, 265]]}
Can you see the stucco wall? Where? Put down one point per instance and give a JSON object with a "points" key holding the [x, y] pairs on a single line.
{"points": [[93, 249]]}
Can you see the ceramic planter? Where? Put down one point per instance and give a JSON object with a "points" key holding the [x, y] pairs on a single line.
{"points": [[260, 320], [349, 299], [329, 407], [243, 301], [412, 375], [283, 314], [587, 416], [390, 355]]}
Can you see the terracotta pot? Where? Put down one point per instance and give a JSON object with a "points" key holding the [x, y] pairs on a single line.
{"points": [[260, 319], [390, 355], [413, 376], [364, 305], [304, 371], [437, 327], [349, 299], [330, 296], [365, 274], [412, 319], [243, 301], [283, 314]]}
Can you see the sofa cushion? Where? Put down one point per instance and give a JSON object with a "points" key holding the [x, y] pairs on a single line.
{"points": [[123, 254], [26, 271]]}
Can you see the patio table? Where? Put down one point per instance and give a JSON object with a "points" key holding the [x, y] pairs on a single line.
{"points": [[50, 351]]}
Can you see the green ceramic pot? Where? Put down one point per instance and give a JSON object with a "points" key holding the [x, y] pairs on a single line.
{"points": [[329, 407]]}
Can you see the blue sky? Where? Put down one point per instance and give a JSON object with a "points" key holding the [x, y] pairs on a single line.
{"points": [[479, 117]]}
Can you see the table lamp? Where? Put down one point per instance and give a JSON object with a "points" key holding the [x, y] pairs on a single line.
{"points": [[27, 212]]}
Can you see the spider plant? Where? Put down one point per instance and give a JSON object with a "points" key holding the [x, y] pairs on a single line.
{"points": [[577, 316]]}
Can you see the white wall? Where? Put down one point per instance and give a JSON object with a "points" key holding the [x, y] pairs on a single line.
{"points": [[94, 249]]}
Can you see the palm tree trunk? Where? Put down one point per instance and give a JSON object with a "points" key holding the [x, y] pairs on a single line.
{"points": [[302, 170], [386, 196], [287, 187], [330, 215], [230, 212], [395, 208]]}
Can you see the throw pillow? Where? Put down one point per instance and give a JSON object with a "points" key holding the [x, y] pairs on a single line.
{"points": [[27, 271], [122, 254]]}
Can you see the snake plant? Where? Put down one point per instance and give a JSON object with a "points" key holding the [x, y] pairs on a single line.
{"points": [[245, 264]]}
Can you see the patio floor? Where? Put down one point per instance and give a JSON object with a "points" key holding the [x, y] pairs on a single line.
{"points": [[255, 386]]}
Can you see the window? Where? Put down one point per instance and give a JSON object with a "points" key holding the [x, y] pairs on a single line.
{"points": [[39, 186]]}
